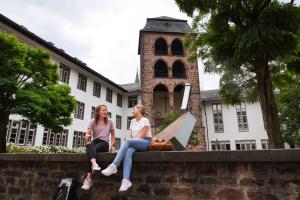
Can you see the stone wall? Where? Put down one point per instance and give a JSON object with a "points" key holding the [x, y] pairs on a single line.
{"points": [[271, 175]]}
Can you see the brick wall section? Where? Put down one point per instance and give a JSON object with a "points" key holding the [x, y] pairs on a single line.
{"points": [[266, 175], [148, 81]]}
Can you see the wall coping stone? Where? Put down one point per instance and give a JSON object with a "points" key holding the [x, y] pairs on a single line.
{"points": [[278, 155]]}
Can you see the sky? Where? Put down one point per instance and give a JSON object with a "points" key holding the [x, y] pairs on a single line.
{"points": [[102, 33]]}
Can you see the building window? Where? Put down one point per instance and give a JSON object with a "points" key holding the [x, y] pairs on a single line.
{"points": [[160, 69], [21, 133], [97, 89], [118, 122], [93, 112], [218, 117], [265, 144], [64, 73], [109, 115], [129, 121], [58, 139], [242, 117], [245, 145], [177, 47], [119, 100], [117, 143], [220, 145], [79, 139], [132, 101], [79, 110], [161, 47], [108, 95], [81, 82]]}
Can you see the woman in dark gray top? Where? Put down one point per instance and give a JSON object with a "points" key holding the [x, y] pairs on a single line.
{"points": [[100, 128]]}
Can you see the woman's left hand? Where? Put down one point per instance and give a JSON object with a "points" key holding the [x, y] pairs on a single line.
{"points": [[112, 149]]}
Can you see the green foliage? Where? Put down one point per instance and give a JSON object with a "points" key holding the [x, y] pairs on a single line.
{"points": [[171, 117], [12, 148], [29, 87], [253, 44], [168, 119], [231, 37], [288, 101]]}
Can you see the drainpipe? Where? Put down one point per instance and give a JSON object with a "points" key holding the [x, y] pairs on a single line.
{"points": [[206, 125]]}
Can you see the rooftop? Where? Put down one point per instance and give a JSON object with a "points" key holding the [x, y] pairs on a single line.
{"points": [[210, 95]]}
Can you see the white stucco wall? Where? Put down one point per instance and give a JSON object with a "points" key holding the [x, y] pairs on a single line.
{"points": [[231, 132]]}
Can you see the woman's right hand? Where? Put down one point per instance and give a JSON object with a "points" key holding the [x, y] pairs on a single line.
{"points": [[88, 138]]}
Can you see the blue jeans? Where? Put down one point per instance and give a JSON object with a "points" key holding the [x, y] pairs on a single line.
{"points": [[126, 151]]}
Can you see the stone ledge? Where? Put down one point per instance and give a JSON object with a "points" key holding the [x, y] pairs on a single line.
{"points": [[291, 155]]}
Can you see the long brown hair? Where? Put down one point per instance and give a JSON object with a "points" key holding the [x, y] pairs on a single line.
{"points": [[96, 114]]}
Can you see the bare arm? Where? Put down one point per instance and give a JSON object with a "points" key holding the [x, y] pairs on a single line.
{"points": [[113, 137], [88, 136], [142, 133]]}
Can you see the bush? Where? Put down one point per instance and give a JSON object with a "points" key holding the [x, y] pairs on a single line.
{"points": [[12, 148], [171, 117]]}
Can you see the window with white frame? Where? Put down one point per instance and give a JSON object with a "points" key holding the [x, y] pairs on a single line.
{"points": [[109, 115], [119, 100], [118, 122], [132, 101], [79, 110], [109, 95], [129, 121], [58, 139], [93, 112], [21, 132], [97, 89], [218, 117], [79, 139], [64, 73], [265, 144], [82, 80], [242, 117], [117, 143], [245, 144], [220, 145]]}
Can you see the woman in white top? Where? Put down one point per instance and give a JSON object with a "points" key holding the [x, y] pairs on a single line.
{"points": [[140, 139]]}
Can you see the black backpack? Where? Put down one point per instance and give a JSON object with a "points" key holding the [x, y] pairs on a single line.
{"points": [[65, 190]]}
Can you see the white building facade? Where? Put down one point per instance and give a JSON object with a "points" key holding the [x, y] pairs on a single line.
{"points": [[238, 127], [88, 87]]}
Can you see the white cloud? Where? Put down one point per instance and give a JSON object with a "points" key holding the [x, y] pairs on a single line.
{"points": [[103, 34]]}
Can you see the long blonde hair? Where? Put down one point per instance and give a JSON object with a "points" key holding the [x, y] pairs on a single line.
{"points": [[96, 114], [142, 109]]}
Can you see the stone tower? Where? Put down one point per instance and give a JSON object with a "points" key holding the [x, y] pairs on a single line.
{"points": [[165, 70]]}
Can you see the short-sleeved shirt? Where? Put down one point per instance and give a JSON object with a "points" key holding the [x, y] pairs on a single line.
{"points": [[101, 132], [136, 126]]}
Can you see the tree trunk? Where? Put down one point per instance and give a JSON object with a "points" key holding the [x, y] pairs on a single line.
{"points": [[268, 106], [4, 119]]}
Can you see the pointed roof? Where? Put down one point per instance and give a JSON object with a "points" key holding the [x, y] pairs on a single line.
{"points": [[165, 24]]}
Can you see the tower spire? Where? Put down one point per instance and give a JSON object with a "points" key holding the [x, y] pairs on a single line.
{"points": [[137, 79]]}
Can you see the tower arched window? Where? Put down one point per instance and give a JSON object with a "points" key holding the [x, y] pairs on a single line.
{"points": [[161, 47], [177, 47], [178, 70], [160, 69]]}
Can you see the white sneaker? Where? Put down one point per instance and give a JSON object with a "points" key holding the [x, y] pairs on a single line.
{"points": [[111, 169], [96, 168], [125, 185], [87, 184]]}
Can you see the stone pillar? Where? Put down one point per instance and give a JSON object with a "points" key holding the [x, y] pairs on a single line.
{"points": [[171, 101]]}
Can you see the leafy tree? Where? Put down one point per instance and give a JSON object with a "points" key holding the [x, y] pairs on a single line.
{"points": [[288, 101], [251, 44], [29, 87]]}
